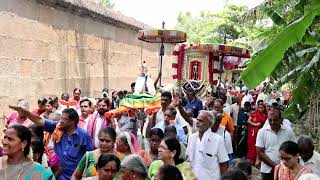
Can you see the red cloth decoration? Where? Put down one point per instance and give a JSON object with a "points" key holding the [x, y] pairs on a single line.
{"points": [[174, 65], [215, 71], [68, 104], [210, 67], [180, 61]]}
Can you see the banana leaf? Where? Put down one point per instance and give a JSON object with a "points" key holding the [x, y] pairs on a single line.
{"points": [[305, 86], [311, 38], [275, 17], [262, 65], [287, 77]]}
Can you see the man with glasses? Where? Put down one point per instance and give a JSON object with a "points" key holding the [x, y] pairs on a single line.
{"points": [[70, 145], [268, 143]]}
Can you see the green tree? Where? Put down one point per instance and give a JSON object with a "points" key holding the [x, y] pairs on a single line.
{"points": [[211, 27], [291, 54], [107, 3]]}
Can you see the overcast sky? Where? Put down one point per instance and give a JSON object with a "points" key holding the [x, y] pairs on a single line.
{"points": [[153, 12]]}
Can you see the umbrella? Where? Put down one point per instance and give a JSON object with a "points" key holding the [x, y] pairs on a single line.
{"points": [[162, 36]]}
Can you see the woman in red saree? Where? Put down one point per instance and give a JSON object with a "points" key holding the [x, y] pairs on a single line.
{"points": [[255, 122]]}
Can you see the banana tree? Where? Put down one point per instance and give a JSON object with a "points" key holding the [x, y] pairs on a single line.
{"points": [[291, 56]]}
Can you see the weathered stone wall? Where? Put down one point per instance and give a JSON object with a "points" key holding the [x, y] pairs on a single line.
{"points": [[52, 46]]}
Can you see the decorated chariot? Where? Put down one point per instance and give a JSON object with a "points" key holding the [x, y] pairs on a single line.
{"points": [[201, 67]]}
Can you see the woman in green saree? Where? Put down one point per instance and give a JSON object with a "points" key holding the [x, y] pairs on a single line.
{"points": [[87, 165]]}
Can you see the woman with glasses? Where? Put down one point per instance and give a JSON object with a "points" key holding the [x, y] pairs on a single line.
{"points": [[151, 154], [289, 168], [169, 154], [107, 167]]}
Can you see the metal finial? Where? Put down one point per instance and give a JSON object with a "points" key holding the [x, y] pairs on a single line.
{"points": [[163, 23]]}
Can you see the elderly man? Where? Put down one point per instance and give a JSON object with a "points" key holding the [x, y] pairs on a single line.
{"points": [[206, 151], [310, 157], [268, 143]]}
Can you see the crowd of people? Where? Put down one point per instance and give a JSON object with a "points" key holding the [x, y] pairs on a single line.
{"points": [[219, 136]]}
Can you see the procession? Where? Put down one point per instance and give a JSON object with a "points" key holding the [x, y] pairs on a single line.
{"points": [[196, 110]]}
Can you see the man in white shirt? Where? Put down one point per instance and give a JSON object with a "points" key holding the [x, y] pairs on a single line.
{"points": [[206, 152], [166, 99], [268, 142], [262, 96], [217, 128], [247, 98], [310, 157], [284, 122], [170, 116], [235, 110]]}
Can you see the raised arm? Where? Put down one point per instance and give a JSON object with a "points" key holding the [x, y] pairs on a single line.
{"points": [[150, 123], [184, 114], [33, 117]]}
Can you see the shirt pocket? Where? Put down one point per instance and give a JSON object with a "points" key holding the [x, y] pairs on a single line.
{"points": [[210, 157], [75, 151]]}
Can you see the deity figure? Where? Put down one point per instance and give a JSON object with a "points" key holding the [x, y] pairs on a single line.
{"points": [[144, 82]]}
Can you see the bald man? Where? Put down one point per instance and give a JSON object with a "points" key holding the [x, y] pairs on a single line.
{"points": [[206, 152]]}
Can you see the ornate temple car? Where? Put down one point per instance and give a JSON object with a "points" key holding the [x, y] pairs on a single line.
{"points": [[198, 66]]}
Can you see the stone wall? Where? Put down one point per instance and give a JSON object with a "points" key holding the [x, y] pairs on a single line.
{"points": [[52, 46]]}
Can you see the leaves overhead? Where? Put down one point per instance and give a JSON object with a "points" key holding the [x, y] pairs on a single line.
{"points": [[211, 27], [262, 65], [292, 54], [107, 3]]}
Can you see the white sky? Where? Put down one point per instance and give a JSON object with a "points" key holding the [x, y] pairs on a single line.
{"points": [[153, 12]]}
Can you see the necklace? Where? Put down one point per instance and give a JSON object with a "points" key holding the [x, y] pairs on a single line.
{"points": [[19, 175]]}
